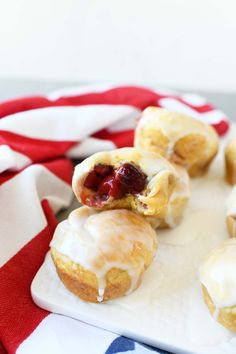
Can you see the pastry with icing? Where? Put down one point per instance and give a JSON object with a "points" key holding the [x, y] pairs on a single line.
{"points": [[126, 178], [178, 137], [230, 162], [100, 256], [217, 275], [231, 213], [177, 202]]}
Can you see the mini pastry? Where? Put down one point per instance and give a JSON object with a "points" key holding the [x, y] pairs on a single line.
{"points": [[230, 162], [102, 255], [231, 213], [181, 139], [177, 202], [125, 178], [217, 275]]}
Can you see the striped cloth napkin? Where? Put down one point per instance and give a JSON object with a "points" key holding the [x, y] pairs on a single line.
{"points": [[38, 138]]}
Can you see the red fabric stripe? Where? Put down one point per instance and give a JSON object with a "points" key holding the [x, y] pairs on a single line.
{"points": [[136, 96], [19, 316], [222, 127], [36, 149], [131, 95], [5, 176], [2, 349], [62, 168], [120, 139]]}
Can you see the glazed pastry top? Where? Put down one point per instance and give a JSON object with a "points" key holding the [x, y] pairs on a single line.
{"points": [[161, 130], [158, 175], [100, 241], [173, 125], [217, 274], [231, 203]]}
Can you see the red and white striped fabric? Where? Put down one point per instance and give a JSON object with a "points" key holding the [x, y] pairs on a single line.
{"points": [[38, 135]]}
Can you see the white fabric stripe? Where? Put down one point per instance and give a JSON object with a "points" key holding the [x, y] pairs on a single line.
{"points": [[211, 117], [21, 216], [89, 146], [66, 123], [125, 124], [73, 91], [79, 90], [194, 99], [62, 335], [12, 160]]}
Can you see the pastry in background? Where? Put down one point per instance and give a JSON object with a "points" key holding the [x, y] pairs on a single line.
{"points": [[177, 202], [127, 178], [217, 276], [230, 162], [231, 213], [178, 137], [102, 255]]}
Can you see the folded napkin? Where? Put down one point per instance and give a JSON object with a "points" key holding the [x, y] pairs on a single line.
{"points": [[38, 138]]}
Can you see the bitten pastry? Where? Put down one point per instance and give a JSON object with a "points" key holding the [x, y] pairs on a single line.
{"points": [[177, 202], [181, 139], [126, 178], [217, 275], [231, 213], [102, 255], [230, 162]]}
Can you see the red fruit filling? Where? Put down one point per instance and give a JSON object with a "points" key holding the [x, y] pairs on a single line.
{"points": [[107, 182], [95, 177]]}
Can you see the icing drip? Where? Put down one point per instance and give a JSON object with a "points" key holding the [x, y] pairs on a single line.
{"points": [[101, 291], [105, 240]]}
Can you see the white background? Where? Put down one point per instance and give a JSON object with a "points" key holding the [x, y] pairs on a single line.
{"points": [[174, 43]]}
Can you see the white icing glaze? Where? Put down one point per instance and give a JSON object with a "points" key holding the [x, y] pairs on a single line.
{"points": [[182, 190], [217, 274], [105, 240], [231, 203], [169, 300]]}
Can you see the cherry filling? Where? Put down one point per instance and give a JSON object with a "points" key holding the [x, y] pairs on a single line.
{"points": [[96, 176], [107, 182]]}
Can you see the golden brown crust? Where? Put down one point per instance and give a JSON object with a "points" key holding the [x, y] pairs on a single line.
{"points": [[226, 315], [157, 142], [130, 245], [181, 139], [190, 151], [230, 162], [231, 225], [84, 284]]}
